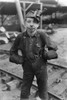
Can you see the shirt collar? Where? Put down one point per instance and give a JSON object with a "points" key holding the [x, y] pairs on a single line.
{"points": [[34, 35]]}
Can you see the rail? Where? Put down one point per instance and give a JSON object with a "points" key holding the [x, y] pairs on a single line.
{"points": [[34, 85]]}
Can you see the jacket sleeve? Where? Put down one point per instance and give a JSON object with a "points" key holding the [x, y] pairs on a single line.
{"points": [[52, 47], [48, 42], [14, 57]]}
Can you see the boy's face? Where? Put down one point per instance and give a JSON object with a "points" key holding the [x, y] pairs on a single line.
{"points": [[31, 24]]}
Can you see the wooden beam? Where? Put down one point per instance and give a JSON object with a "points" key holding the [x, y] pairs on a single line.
{"points": [[20, 15], [41, 7], [29, 6]]}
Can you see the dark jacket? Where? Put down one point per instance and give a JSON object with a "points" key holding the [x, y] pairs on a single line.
{"points": [[31, 46]]}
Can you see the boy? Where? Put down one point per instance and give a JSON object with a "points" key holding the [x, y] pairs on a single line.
{"points": [[32, 44]]}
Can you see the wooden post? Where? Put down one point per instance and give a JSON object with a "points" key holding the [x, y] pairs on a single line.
{"points": [[2, 19], [20, 15], [41, 17], [24, 8]]}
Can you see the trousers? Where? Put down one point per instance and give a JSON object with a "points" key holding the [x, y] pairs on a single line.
{"points": [[39, 69]]}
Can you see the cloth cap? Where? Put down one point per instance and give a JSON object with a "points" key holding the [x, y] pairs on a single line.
{"points": [[33, 14]]}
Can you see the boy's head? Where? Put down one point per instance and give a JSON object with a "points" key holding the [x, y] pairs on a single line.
{"points": [[32, 22]]}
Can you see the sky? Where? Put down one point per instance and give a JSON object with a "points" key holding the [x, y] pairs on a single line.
{"points": [[62, 2]]}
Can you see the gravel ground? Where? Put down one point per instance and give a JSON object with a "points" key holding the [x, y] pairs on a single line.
{"points": [[8, 95], [60, 37]]}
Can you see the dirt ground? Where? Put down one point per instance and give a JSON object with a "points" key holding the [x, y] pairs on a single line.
{"points": [[60, 37]]}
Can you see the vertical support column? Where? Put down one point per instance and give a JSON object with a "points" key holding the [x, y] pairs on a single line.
{"points": [[24, 9], [20, 15], [2, 17], [41, 16]]}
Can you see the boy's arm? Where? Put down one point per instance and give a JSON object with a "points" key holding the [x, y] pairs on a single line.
{"points": [[14, 57], [47, 41], [52, 47]]}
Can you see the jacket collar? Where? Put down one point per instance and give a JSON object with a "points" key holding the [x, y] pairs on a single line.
{"points": [[27, 35]]}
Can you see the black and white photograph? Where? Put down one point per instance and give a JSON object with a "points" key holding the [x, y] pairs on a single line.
{"points": [[33, 49]]}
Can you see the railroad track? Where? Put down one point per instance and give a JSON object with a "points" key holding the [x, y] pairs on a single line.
{"points": [[52, 95], [57, 78]]}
